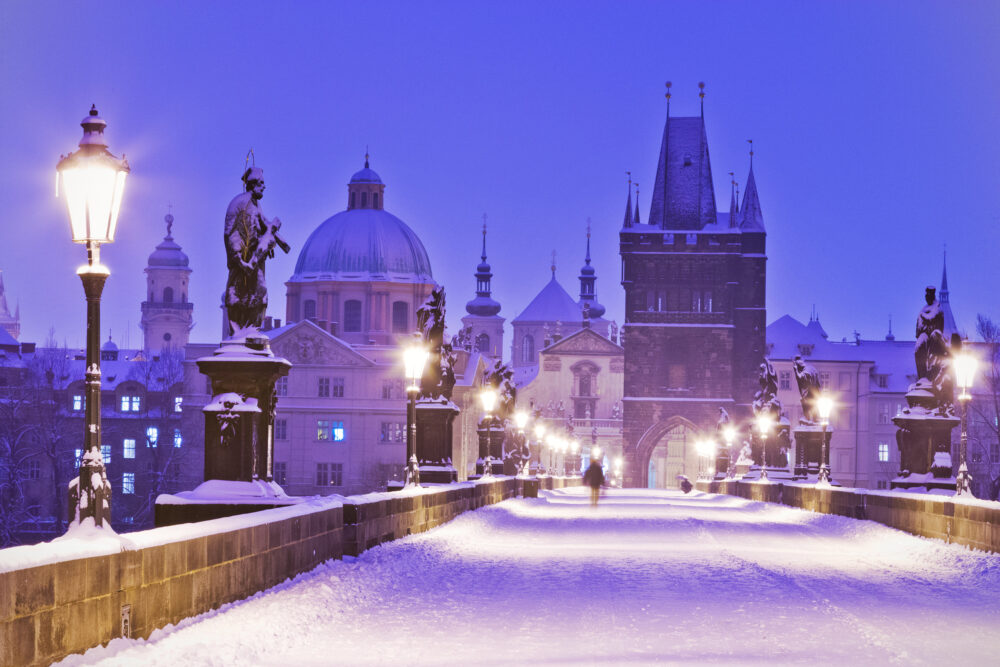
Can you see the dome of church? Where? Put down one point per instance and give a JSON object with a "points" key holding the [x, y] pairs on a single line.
{"points": [[168, 254], [366, 175], [109, 346]]}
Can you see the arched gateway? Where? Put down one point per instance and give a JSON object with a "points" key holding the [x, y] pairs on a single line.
{"points": [[666, 450]]}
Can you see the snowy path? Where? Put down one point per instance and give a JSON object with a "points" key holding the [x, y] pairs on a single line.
{"points": [[650, 576]]}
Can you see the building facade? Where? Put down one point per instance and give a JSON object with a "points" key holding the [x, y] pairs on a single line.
{"points": [[694, 331]]}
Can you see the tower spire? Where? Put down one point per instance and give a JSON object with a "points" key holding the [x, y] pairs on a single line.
{"points": [[701, 96], [588, 280], [366, 156], [733, 210], [668, 98], [483, 305], [637, 221], [484, 237], [628, 202], [587, 259], [751, 218], [553, 267]]}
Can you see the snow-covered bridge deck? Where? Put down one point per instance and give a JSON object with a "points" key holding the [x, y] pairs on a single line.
{"points": [[648, 576]]}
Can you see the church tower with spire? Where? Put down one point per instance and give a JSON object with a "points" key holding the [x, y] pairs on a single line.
{"points": [[483, 322], [167, 315], [694, 332]]}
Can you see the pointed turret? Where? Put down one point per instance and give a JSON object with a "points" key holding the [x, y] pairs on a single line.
{"points": [[944, 300], [637, 221], [628, 203], [9, 323], [683, 196], [588, 278], [483, 305], [751, 218]]}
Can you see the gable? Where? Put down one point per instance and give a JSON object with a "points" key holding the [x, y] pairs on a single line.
{"points": [[306, 343], [584, 341]]}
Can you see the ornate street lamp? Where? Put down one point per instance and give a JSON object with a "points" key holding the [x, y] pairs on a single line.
{"points": [[552, 441], [488, 399], [93, 181], [824, 405], [965, 374], [539, 440], [521, 421], [764, 424], [414, 359]]}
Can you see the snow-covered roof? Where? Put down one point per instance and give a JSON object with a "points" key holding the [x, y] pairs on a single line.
{"points": [[683, 193], [552, 304], [366, 175], [363, 244]]}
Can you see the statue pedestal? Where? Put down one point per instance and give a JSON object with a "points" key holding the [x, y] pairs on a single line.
{"points": [[722, 463], [924, 442], [239, 427], [490, 444], [434, 441], [809, 449]]}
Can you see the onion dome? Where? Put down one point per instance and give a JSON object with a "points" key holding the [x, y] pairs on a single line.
{"points": [[168, 254], [483, 305]]}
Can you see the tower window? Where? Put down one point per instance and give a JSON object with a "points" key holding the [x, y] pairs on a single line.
{"points": [[364, 199], [353, 198], [400, 317], [310, 309], [483, 344], [168, 295], [527, 349], [352, 316], [374, 200]]}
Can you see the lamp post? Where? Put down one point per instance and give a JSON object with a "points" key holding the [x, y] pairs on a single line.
{"points": [[764, 423], [414, 359], [539, 440], [618, 471], [93, 181], [824, 405], [965, 373], [729, 435], [706, 450], [488, 399], [521, 421], [552, 443], [574, 459]]}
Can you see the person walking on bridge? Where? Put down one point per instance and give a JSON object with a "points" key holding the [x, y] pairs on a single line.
{"points": [[594, 478]]}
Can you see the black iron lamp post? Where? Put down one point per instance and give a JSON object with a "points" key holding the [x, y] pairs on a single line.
{"points": [[764, 423], [539, 442], [414, 360], [521, 421], [824, 405], [93, 181], [488, 399], [965, 372]]}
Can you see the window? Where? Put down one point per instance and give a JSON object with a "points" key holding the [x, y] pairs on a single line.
{"points": [[374, 200], [883, 451], [329, 474], [131, 403], [178, 438], [584, 385], [324, 388], [337, 430], [152, 435], [310, 309], [692, 239], [785, 379], [330, 430], [77, 402], [364, 199], [400, 317], [280, 472], [106, 454], [844, 381], [882, 381], [527, 349], [824, 380], [322, 429], [995, 452], [128, 483], [352, 316], [393, 432], [338, 387], [76, 458], [168, 295], [128, 448], [392, 389], [353, 199], [882, 484], [178, 402], [883, 413], [280, 429], [483, 343], [34, 470], [281, 386]]}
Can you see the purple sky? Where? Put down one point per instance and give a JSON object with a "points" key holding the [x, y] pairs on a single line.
{"points": [[874, 126]]}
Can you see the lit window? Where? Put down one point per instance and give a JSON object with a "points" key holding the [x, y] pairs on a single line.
{"points": [[178, 438], [337, 430], [322, 429], [280, 472], [106, 454], [77, 402], [76, 458], [130, 403], [393, 432], [324, 388], [128, 483], [178, 401], [883, 451], [125, 403], [152, 435], [128, 448], [280, 429], [329, 474], [338, 387]]}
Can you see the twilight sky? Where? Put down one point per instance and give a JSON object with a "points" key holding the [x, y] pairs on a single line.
{"points": [[874, 127]]}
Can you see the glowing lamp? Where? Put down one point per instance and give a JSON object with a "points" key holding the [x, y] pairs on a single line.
{"points": [[540, 430], [574, 446], [521, 419], [824, 405], [93, 181], [414, 359], [729, 433], [705, 448], [764, 423], [965, 373]]}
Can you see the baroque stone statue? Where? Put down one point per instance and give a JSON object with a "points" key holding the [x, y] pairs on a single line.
{"points": [[250, 240], [933, 356], [807, 380], [439, 374]]}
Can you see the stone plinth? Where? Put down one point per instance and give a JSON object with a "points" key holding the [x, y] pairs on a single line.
{"points": [[490, 444], [924, 442], [809, 449], [434, 441]]}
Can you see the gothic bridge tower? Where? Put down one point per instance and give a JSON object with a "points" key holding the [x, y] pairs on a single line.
{"points": [[694, 333]]}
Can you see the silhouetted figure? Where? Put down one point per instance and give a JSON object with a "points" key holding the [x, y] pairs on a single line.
{"points": [[594, 478], [686, 485]]}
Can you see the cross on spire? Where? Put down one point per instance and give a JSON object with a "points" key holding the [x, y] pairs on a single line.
{"points": [[587, 259], [484, 237], [750, 141], [366, 156], [553, 264]]}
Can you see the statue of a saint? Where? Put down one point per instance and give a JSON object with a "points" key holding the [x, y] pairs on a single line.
{"points": [[250, 239], [931, 346], [808, 382]]}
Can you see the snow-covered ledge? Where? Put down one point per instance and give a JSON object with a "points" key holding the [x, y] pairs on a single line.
{"points": [[967, 521]]}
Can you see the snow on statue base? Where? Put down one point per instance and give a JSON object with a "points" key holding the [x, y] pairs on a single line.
{"points": [[924, 442], [809, 449], [434, 441]]}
